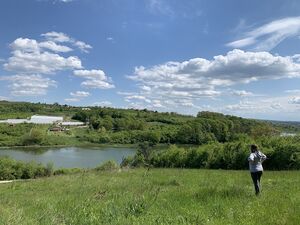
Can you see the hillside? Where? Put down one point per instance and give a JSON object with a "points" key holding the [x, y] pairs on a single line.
{"points": [[158, 196], [125, 126]]}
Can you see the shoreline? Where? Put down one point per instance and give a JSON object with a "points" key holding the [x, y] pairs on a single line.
{"points": [[80, 145], [158, 146]]}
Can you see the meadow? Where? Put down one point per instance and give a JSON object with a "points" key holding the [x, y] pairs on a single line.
{"points": [[155, 196]]}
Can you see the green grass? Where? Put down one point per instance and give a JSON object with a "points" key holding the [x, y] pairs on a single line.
{"points": [[160, 196]]}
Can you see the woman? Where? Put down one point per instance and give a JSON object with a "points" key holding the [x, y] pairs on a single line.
{"points": [[256, 159]]}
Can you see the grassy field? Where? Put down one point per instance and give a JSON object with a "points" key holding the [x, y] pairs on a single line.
{"points": [[158, 196]]}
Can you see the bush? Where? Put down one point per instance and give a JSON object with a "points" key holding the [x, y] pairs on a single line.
{"points": [[64, 171], [126, 162], [108, 166], [282, 154], [11, 169]]}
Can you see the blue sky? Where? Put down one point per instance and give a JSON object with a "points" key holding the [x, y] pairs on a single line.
{"points": [[235, 57]]}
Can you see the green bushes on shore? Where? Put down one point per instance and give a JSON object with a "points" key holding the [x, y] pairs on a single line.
{"points": [[282, 154], [11, 169]]}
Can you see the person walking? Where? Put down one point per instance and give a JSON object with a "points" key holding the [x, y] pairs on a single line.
{"points": [[256, 159]]}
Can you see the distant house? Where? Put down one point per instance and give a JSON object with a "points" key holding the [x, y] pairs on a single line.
{"points": [[86, 109], [56, 129]]}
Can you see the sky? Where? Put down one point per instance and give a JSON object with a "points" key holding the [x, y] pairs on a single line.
{"points": [[235, 57]]}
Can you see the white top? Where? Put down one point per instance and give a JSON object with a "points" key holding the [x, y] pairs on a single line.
{"points": [[255, 161]]}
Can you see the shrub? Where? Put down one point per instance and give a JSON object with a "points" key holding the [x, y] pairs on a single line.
{"points": [[11, 169], [63, 171], [108, 166]]}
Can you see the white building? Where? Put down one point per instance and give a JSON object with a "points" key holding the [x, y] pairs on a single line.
{"points": [[36, 120], [46, 119]]}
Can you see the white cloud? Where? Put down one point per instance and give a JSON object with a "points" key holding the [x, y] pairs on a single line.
{"points": [[82, 46], [268, 36], [137, 97], [103, 103], [145, 88], [267, 105], [28, 85], [72, 99], [54, 47], [126, 93], [65, 1], [31, 45], [276, 106], [80, 94], [57, 37], [243, 106], [94, 79], [160, 7], [295, 100], [29, 57], [295, 91], [242, 93], [63, 38], [3, 98], [25, 44], [201, 78]]}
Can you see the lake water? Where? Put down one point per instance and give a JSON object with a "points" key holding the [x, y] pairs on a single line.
{"points": [[70, 157]]}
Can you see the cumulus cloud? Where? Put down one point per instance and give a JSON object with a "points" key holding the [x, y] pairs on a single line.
{"points": [[80, 94], [268, 36], [137, 97], [242, 93], [63, 38], [29, 56], [199, 77], [94, 79], [268, 105], [103, 103], [28, 85], [82, 46], [77, 96], [54, 47], [57, 36], [295, 100], [31, 45], [32, 59], [244, 106]]}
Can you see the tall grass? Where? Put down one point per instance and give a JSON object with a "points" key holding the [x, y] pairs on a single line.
{"points": [[157, 196]]}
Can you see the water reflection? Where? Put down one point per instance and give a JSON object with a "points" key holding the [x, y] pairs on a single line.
{"points": [[69, 157]]}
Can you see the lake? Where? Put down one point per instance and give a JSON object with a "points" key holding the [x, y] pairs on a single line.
{"points": [[70, 157]]}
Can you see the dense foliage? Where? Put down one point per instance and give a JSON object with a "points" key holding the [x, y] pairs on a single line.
{"points": [[11, 169], [282, 153]]}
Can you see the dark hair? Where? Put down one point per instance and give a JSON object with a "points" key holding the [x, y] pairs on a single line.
{"points": [[253, 148]]}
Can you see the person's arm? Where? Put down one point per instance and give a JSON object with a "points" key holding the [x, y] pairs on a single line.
{"points": [[263, 157], [251, 158]]}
